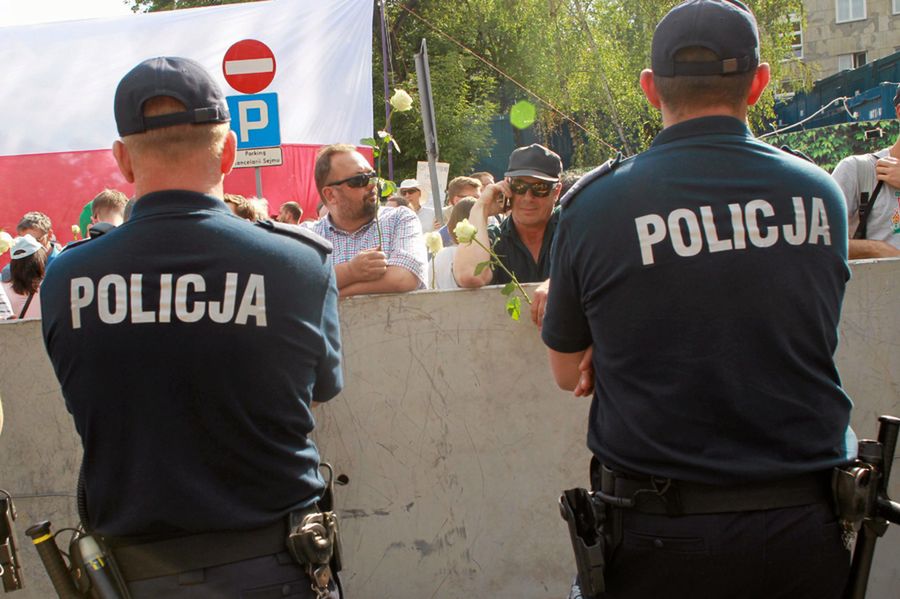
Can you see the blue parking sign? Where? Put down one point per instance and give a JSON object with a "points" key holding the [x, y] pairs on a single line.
{"points": [[254, 119]]}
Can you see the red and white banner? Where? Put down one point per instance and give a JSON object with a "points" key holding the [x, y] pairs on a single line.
{"points": [[60, 78]]}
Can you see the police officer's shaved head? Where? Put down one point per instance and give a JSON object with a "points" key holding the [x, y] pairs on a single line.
{"points": [[173, 120]]}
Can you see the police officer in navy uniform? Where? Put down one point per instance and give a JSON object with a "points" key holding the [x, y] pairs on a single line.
{"points": [[189, 345], [697, 288]]}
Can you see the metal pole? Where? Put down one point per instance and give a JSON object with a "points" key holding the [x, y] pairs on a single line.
{"points": [[387, 90], [426, 104], [259, 193]]}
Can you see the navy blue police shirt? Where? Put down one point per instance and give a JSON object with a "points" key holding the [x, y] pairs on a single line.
{"points": [[708, 273], [189, 344]]}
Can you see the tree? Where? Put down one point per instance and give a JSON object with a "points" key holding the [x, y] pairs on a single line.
{"points": [[579, 57]]}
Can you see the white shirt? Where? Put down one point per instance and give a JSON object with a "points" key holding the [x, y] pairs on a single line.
{"points": [[426, 217], [442, 270]]}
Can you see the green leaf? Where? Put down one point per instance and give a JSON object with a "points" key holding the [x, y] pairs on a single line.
{"points": [[368, 141], [479, 268], [514, 307], [388, 188], [385, 135], [376, 152], [508, 288]]}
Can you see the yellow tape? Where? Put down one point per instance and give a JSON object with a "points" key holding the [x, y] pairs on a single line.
{"points": [[42, 539]]}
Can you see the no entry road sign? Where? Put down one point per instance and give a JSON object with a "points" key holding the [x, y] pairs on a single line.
{"points": [[249, 66]]}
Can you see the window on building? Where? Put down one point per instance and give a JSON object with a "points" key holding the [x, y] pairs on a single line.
{"points": [[851, 10], [851, 61], [895, 4], [797, 36]]}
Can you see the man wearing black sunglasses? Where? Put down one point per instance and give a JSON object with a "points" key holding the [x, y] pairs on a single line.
{"points": [[347, 186], [523, 240]]}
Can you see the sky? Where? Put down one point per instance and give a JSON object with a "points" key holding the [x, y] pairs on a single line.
{"points": [[24, 12]]}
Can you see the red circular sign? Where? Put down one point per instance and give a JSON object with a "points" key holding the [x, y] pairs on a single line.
{"points": [[249, 66]]}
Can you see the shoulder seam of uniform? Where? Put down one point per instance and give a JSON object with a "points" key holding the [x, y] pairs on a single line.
{"points": [[602, 170], [297, 232]]}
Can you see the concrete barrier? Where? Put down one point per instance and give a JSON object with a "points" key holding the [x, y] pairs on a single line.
{"points": [[453, 438]]}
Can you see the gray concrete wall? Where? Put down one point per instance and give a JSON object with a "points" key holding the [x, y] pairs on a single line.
{"points": [[454, 439]]}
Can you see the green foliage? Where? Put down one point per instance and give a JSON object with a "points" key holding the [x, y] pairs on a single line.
{"points": [[462, 110], [158, 5], [583, 57], [828, 145], [514, 307]]}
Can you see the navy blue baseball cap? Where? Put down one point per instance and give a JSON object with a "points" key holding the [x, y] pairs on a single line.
{"points": [[725, 27], [181, 78]]}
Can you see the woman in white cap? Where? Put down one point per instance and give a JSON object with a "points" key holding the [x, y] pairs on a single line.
{"points": [[29, 261]]}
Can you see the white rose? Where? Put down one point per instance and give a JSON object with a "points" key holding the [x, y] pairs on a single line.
{"points": [[6, 241], [401, 101], [433, 242], [464, 231], [76, 231]]}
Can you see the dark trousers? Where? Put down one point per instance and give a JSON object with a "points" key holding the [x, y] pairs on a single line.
{"points": [[268, 577], [789, 553]]}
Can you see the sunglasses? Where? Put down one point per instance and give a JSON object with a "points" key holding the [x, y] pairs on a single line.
{"points": [[406, 192], [541, 189], [356, 181]]}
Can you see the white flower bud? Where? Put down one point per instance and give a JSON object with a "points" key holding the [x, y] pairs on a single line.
{"points": [[433, 242], [401, 101], [464, 231]]}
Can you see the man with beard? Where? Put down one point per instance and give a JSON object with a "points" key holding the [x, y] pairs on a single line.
{"points": [[364, 261]]}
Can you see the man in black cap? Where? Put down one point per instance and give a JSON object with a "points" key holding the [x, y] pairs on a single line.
{"points": [[523, 240], [198, 455], [702, 282], [871, 185]]}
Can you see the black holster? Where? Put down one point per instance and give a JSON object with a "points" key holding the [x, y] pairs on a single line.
{"points": [[10, 566], [595, 529], [314, 539], [586, 521]]}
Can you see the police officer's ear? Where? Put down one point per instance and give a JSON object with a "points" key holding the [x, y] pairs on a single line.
{"points": [[649, 87], [229, 152], [123, 159], [760, 81]]}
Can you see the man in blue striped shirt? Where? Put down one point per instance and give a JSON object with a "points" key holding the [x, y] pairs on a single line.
{"points": [[364, 264]]}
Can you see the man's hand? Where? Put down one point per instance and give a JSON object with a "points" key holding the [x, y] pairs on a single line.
{"points": [[585, 384], [887, 169], [368, 265], [539, 303], [493, 198]]}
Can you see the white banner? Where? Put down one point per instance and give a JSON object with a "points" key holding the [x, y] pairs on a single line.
{"points": [[60, 78], [423, 176]]}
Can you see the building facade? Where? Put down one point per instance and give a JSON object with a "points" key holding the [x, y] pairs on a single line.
{"points": [[846, 34]]}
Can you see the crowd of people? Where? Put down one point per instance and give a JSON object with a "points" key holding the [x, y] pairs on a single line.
{"points": [[388, 256], [516, 217]]}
